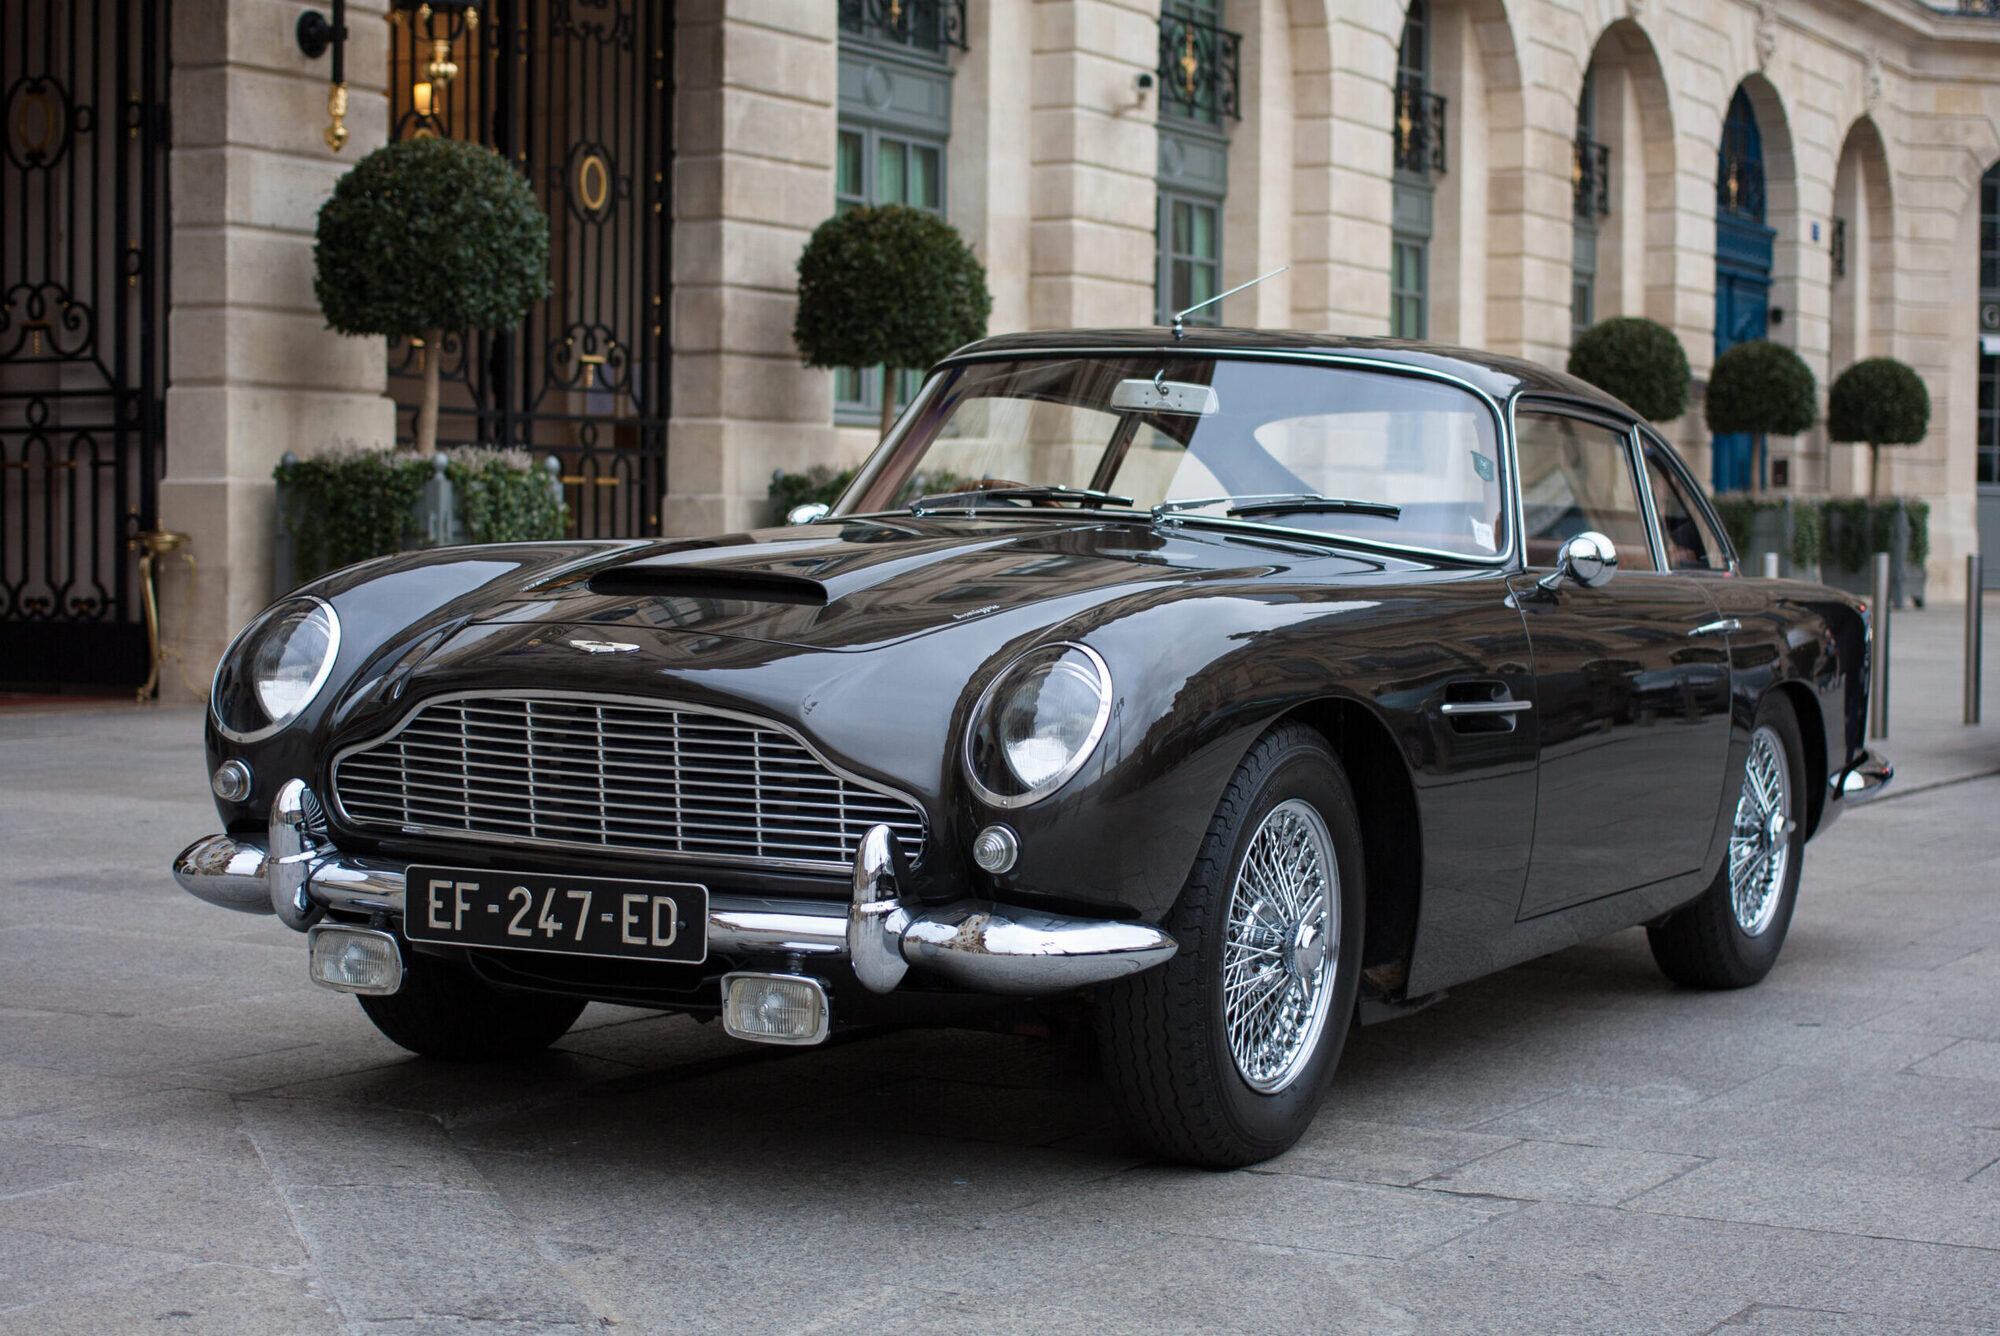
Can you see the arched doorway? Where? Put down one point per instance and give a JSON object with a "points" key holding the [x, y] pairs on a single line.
{"points": [[1743, 251]]}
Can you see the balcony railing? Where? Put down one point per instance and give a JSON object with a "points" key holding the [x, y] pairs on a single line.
{"points": [[1198, 69], [1837, 245], [1419, 131], [1984, 8], [926, 25], [1590, 176]]}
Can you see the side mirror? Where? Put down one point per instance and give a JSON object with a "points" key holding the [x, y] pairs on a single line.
{"points": [[807, 513], [1588, 559]]}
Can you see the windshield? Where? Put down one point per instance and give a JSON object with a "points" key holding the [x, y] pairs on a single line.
{"points": [[1229, 434]]}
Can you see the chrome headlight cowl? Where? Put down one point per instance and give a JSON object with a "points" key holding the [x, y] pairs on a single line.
{"points": [[274, 668], [1037, 723]]}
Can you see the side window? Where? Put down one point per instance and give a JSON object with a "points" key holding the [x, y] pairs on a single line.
{"points": [[1690, 546], [1577, 476]]}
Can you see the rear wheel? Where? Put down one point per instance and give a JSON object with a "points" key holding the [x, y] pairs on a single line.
{"points": [[1221, 1056], [444, 1010], [1731, 936]]}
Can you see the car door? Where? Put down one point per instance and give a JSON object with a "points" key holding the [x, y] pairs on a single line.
{"points": [[1631, 679]]}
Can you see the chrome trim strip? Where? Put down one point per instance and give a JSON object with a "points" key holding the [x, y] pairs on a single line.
{"points": [[919, 815], [1502, 425], [1463, 707], [1721, 627]]}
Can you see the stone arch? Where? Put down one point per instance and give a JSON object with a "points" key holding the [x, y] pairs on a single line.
{"points": [[1480, 236], [1634, 120], [1862, 249]]}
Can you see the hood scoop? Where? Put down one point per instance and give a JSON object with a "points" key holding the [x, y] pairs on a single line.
{"points": [[646, 580]]}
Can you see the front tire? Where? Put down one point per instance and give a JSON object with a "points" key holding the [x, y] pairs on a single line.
{"points": [[1221, 1056], [445, 1011], [1731, 936]]}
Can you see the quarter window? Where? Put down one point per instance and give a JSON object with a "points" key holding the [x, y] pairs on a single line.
{"points": [[1690, 546], [1576, 476]]}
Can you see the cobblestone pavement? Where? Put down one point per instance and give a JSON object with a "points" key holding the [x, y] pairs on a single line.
{"points": [[193, 1139]]}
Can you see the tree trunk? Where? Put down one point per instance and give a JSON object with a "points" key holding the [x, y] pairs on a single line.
{"points": [[1874, 467], [427, 410], [888, 398]]}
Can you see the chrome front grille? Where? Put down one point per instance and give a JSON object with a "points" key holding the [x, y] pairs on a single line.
{"points": [[617, 775]]}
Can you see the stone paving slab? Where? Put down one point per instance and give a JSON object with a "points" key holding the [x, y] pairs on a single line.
{"points": [[193, 1139]]}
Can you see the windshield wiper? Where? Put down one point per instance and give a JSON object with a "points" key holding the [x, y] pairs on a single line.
{"points": [[1282, 503], [1084, 496], [1313, 503]]}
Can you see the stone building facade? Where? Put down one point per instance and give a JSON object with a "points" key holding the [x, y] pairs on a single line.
{"points": [[1103, 157]]}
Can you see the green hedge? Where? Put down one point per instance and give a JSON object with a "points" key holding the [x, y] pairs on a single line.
{"points": [[1859, 528], [1738, 514], [1843, 534], [817, 484], [1639, 361], [349, 505], [824, 485]]}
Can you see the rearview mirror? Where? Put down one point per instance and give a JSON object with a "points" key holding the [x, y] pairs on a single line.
{"points": [[1588, 559]]}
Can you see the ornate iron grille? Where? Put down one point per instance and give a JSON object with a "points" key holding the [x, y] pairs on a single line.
{"points": [[1837, 246], [1199, 66], [576, 93], [1420, 130], [83, 281], [1590, 177], [926, 25], [616, 775]]}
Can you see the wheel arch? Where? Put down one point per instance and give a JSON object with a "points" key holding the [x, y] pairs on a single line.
{"points": [[1812, 731], [1391, 829]]}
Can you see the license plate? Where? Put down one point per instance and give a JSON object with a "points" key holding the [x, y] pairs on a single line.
{"points": [[577, 916]]}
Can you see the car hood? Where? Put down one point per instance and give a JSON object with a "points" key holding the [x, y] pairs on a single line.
{"points": [[863, 584]]}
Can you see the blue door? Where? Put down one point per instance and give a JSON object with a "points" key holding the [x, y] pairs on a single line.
{"points": [[1742, 270]]}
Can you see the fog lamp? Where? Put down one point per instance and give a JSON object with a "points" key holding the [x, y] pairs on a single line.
{"points": [[231, 781], [775, 1008], [355, 960]]}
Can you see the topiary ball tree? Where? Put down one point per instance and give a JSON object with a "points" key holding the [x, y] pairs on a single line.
{"points": [[1880, 401], [429, 236], [888, 285], [1639, 361], [1760, 387]]}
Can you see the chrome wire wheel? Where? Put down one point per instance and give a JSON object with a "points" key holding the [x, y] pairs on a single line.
{"points": [[1760, 840], [1282, 946]]}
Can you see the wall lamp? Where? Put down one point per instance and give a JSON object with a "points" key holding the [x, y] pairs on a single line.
{"points": [[317, 34]]}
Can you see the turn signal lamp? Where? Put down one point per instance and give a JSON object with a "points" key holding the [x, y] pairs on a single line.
{"points": [[774, 1008]]}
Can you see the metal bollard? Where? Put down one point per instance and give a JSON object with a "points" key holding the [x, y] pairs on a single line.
{"points": [[1975, 615], [1878, 686], [1770, 565]]}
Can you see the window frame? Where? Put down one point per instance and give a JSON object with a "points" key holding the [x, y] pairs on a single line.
{"points": [[1635, 472], [1164, 256]]}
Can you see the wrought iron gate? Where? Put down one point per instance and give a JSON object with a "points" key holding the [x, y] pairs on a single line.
{"points": [[577, 93], [83, 287]]}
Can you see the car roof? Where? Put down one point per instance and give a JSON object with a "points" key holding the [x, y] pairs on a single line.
{"points": [[1497, 375]]}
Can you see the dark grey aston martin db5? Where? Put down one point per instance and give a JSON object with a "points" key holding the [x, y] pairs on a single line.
{"points": [[1234, 685]]}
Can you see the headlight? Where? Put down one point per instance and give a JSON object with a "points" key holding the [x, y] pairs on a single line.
{"points": [[1037, 723], [274, 668]]}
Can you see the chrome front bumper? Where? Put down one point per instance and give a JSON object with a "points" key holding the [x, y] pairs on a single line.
{"points": [[985, 947], [1863, 781]]}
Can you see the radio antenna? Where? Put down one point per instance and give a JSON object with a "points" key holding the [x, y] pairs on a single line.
{"points": [[1181, 316]]}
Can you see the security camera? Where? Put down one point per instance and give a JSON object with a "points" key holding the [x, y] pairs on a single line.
{"points": [[1142, 89]]}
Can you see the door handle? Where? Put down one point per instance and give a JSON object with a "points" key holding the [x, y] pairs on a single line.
{"points": [[1464, 707], [1723, 627]]}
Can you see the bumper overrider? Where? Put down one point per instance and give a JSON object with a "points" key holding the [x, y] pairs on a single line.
{"points": [[978, 945]]}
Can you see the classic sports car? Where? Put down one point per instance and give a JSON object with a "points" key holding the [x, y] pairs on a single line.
{"points": [[1235, 684]]}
